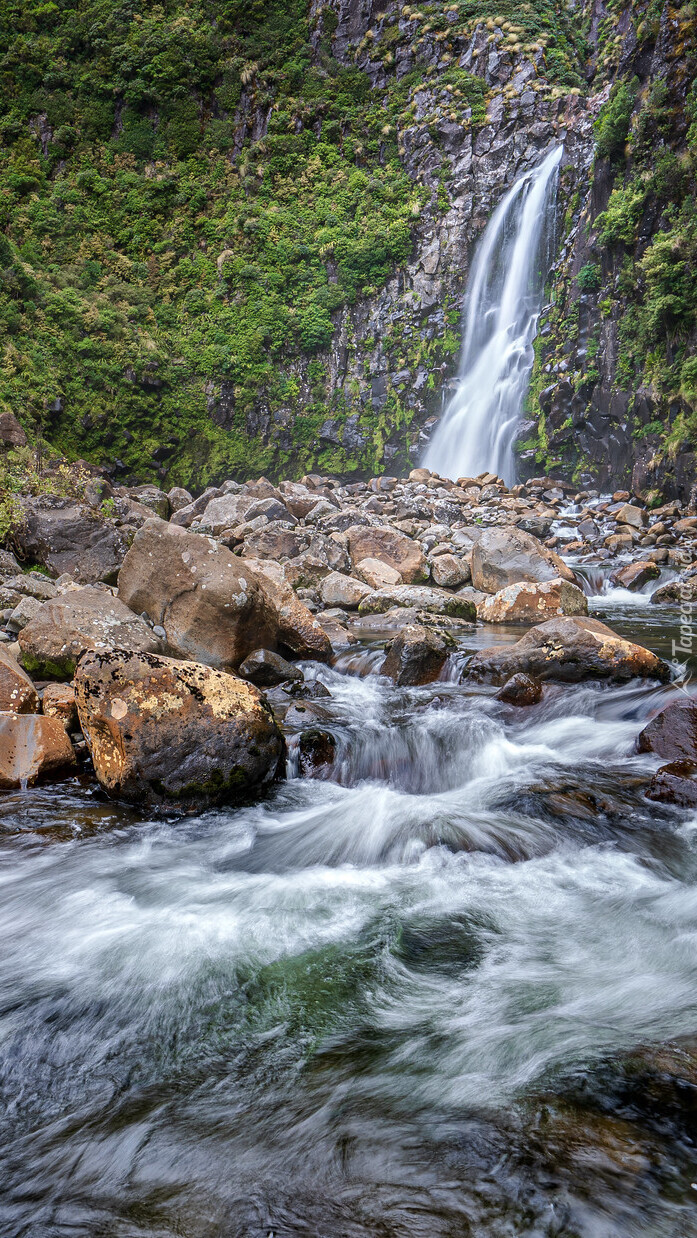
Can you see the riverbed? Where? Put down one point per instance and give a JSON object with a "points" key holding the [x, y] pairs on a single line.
{"points": [[425, 995]]}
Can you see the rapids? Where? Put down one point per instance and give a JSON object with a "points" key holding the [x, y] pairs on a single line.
{"points": [[398, 1001]]}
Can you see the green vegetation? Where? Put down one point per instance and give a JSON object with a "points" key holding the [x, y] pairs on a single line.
{"points": [[190, 193]]}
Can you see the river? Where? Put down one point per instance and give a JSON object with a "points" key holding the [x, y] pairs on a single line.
{"points": [[396, 1002]]}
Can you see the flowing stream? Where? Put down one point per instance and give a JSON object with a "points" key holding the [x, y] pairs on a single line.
{"points": [[503, 300], [396, 1002]]}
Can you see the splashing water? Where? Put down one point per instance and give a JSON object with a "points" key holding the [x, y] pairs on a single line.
{"points": [[504, 293]]}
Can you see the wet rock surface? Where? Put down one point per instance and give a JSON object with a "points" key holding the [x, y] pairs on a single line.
{"points": [[569, 650]]}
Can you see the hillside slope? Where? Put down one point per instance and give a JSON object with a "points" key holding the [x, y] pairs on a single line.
{"points": [[235, 236]]}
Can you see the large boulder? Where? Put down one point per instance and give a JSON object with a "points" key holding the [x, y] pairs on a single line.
{"points": [[214, 607], [570, 650], [17, 692], [505, 555], [416, 656], [527, 603], [297, 629], [672, 733], [163, 732], [336, 589], [69, 537], [391, 547], [62, 630], [32, 748]]}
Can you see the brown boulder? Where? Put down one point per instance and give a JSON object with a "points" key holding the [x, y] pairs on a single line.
{"points": [[527, 602], [635, 575], [213, 606], [672, 733], [54, 640], [265, 668], [17, 692], [569, 650], [391, 547], [449, 572], [58, 701], [416, 656], [11, 432], [32, 748], [166, 732], [674, 784], [296, 627], [505, 555], [520, 690]]}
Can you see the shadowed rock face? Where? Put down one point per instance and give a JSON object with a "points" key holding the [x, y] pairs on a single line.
{"points": [[69, 537], [175, 733], [570, 650], [63, 629]]}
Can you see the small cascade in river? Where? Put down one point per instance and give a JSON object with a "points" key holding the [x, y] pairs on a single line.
{"points": [[503, 299]]}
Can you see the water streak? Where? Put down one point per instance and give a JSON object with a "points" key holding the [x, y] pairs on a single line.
{"points": [[503, 300]]}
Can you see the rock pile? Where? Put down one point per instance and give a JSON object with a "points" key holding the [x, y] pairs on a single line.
{"points": [[167, 609]]}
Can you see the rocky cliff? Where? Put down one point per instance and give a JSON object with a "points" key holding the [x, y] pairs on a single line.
{"points": [[258, 260]]}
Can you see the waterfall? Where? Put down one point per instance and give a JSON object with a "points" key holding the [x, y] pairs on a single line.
{"points": [[503, 300]]}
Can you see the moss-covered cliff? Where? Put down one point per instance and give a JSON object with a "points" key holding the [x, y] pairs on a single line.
{"points": [[615, 389], [235, 235]]}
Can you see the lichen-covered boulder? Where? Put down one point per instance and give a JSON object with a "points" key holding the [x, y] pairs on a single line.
{"points": [[164, 732], [32, 748], [62, 630], [569, 650]]}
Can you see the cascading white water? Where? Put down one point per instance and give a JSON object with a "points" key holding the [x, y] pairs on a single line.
{"points": [[504, 294]]}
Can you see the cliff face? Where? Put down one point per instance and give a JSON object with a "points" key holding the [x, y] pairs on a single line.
{"points": [[615, 390], [238, 240]]}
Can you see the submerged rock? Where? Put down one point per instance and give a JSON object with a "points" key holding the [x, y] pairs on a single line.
{"points": [[65, 628], [316, 753], [636, 575], [32, 748], [416, 656], [570, 650], [675, 783], [175, 733], [527, 602]]}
